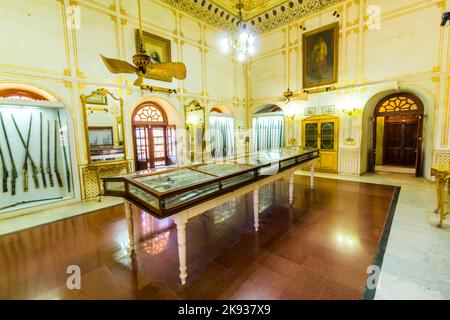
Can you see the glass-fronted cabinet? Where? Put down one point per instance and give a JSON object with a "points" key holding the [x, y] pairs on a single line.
{"points": [[321, 132], [35, 154]]}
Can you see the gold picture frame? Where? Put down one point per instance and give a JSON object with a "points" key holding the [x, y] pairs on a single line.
{"points": [[158, 48], [319, 66]]}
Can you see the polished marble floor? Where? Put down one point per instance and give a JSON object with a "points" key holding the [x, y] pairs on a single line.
{"points": [[317, 249]]}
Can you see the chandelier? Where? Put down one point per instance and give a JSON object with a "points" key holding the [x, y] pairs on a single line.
{"points": [[242, 42]]}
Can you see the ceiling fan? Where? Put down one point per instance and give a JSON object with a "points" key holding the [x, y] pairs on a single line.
{"points": [[288, 96], [143, 65]]}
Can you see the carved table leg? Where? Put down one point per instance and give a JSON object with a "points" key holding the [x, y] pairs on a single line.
{"points": [[312, 174], [129, 216], [256, 208], [438, 194], [441, 199], [291, 188], [181, 220]]}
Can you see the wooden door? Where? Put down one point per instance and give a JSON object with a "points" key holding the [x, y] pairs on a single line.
{"points": [[142, 148], [401, 142], [151, 146], [322, 133], [158, 150]]}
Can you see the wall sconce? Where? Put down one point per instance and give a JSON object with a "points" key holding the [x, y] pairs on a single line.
{"points": [[290, 110], [353, 113]]}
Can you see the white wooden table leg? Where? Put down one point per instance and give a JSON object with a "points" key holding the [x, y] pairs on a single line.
{"points": [[291, 188], [256, 208], [129, 215], [312, 175], [181, 220]]}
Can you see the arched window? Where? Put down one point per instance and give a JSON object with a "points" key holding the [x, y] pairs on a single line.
{"points": [[216, 110], [399, 104], [268, 108], [19, 94], [149, 112]]}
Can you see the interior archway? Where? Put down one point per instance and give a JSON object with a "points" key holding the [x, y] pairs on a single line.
{"points": [[393, 139], [153, 136]]}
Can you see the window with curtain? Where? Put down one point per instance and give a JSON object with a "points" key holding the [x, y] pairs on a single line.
{"points": [[221, 134], [268, 132]]}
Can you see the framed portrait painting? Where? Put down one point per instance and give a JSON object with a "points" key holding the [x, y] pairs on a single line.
{"points": [[320, 56], [158, 48]]}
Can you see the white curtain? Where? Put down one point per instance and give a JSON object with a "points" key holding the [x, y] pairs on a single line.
{"points": [[221, 133], [268, 132]]}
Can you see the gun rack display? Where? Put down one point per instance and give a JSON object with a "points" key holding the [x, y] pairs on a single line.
{"points": [[33, 144]]}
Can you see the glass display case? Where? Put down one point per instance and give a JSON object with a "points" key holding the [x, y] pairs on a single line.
{"points": [[35, 155], [166, 191]]}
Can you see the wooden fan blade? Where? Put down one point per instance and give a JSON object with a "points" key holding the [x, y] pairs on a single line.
{"points": [[174, 69], [158, 74], [118, 66]]}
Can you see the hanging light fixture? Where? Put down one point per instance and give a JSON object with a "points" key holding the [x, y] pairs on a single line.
{"points": [[243, 42]]}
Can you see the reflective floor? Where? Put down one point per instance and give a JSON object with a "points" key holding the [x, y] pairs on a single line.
{"points": [[319, 248]]}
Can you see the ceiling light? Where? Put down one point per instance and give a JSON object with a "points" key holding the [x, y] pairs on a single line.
{"points": [[243, 42]]}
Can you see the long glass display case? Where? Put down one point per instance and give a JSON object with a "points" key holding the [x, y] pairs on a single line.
{"points": [[168, 190]]}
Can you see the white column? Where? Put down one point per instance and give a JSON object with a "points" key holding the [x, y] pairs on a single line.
{"points": [[181, 219], [291, 188], [256, 207], [312, 174], [129, 215]]}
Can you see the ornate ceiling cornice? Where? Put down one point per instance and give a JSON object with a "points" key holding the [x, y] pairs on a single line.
{"points": [[276, 17]]}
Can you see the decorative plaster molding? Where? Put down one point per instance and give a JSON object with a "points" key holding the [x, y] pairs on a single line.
{"points": [[274, 18]]}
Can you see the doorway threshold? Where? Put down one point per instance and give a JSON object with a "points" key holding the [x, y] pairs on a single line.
{"points": [[396, 169]]}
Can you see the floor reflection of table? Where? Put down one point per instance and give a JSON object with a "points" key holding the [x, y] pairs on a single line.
{"points": [[442, 174], [182, 217]]}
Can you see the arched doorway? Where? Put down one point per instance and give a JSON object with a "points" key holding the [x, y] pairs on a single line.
{"points": [[268, 127], [398, 123], [154, 138], [221, 132]]}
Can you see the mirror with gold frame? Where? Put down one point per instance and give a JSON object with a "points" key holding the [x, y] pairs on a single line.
{"points": [[194, 113], [103, 126]]}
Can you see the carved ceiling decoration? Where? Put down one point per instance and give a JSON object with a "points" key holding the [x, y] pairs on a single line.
{"points": [[259, 15], [251, 9]]}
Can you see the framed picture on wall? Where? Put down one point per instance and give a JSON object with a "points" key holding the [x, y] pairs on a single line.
{"points": [[320, 56], [158, 48]]}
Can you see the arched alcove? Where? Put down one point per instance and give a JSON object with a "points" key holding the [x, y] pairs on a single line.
{"points": [[372, 109], [35, 122], [268, 127]]}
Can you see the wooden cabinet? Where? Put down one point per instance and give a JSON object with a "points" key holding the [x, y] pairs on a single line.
{"points": [[322, 132]]}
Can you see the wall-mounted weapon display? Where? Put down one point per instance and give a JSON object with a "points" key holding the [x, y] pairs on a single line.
{"points": [[49, 165], [27, 156], [26, 141], [13, 175], [64, 153], [55, 157], [41, 156]]}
